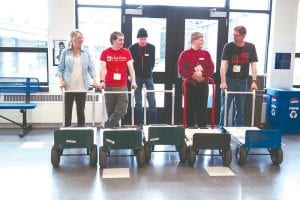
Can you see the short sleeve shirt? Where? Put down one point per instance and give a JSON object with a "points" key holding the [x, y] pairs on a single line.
{"points": [[116, 66], [239, 59]]}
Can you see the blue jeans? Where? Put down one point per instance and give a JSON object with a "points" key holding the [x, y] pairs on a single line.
{"points": [[139, 110], [237, 99]]}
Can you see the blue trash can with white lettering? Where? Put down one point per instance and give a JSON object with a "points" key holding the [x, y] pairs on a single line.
{"points": [[283, 109]]}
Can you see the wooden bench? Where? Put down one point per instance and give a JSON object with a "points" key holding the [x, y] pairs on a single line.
{"points": [[18, 86]]}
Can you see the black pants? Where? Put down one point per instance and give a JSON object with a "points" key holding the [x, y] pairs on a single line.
{"points": [[197, 95], [79, 98]]}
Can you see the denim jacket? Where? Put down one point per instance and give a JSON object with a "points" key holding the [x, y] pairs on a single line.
{"points": [[66, 66]]}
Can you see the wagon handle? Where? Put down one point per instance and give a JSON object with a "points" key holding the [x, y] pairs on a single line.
{"points": [[253, 93]]}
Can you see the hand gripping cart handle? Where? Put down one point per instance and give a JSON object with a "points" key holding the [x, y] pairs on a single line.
{"points": [[212, 116], [75, 137]]}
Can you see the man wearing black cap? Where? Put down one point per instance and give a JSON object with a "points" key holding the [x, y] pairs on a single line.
{"points": [[143, 54]]}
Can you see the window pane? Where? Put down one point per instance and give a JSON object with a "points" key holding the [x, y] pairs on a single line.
{"points": [[253, 22], [250, 4], [17, 42], [298, 30], [22, 24], [159, 96], [102, 2], [24, 65], [193, 3], [209, 28], [156, 28], [296, 80], [97, 24]]}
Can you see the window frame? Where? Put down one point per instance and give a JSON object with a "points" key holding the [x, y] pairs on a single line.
{"points": [[29, 50]]}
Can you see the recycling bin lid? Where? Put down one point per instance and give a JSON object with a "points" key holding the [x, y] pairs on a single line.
{"points": [[277, 90]]}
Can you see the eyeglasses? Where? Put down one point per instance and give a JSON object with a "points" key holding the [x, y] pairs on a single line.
{"points": [[236, 35]]}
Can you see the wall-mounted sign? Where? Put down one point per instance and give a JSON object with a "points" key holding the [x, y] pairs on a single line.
{"points": [[283, 61], [59, 46]]}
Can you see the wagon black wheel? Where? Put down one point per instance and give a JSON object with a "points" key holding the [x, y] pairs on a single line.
{"points": [[22, 133], [140, 157], [55, 156], [191, 156], [241, 155], [276, 156], [93, 155], [147, 149], [182, 152], [226, 157], [102, 157]]}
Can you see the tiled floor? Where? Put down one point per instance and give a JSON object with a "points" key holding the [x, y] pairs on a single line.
{"points": [[26, 173]]}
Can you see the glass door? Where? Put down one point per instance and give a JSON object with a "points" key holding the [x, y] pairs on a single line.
{"points": [[156, 28], [169, 29], [157, 23], [215, 36], [209, 28]]}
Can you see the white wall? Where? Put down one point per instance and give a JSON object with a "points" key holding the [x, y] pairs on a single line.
{"points": [[61, 23], [282, 40]]}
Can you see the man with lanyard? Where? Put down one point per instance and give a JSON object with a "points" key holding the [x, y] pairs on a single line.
{"points": [[234, 71], [115, 61], [143, 54], [196, 64]]}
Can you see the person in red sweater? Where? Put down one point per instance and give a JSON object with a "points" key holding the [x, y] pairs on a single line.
{"points": [[196, 64], [115, 61]]}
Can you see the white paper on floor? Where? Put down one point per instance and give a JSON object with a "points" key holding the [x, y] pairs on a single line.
{"points": [[116, 173], [32, 145], [219, 171]]}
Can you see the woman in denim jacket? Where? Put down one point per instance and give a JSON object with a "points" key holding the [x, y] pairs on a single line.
{"points": [[75, 70]]}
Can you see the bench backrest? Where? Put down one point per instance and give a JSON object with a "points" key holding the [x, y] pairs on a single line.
{"points": [[19, 85]]}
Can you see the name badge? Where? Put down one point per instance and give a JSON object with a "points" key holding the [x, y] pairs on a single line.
{"points": [[201, 58], [117, 76], [146, 54], [236, 68]]}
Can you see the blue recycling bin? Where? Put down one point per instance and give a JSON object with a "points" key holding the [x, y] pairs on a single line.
{"points": [[283, 109]]}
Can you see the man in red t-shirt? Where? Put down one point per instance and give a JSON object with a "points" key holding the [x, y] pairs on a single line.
{"points": [[113, 77]]}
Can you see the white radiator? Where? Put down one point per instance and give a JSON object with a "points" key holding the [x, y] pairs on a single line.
{"points": [[49, 110]]}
